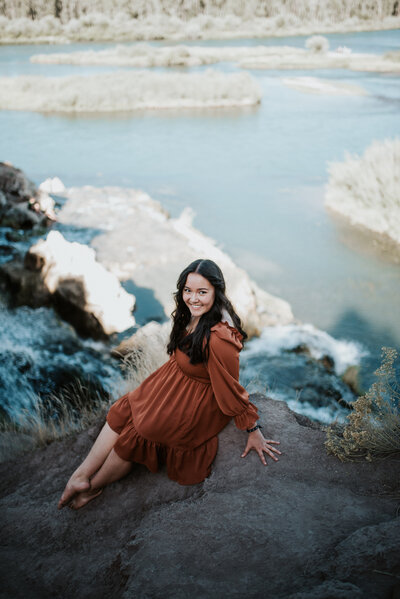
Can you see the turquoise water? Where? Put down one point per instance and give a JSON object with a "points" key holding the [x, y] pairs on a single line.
{"points": [[255, 177]]}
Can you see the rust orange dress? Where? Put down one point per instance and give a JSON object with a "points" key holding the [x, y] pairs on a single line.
{"points": [[175, 415]]}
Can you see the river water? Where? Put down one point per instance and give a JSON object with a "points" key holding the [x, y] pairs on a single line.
{"points": [[255, 179]]}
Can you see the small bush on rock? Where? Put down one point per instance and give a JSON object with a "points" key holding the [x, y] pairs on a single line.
{"points": [[373, 428], [317, 44]]}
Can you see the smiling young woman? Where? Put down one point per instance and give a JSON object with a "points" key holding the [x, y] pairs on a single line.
{"points": [[176, 414]]}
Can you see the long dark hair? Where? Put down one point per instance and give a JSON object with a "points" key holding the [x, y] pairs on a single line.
{"points": [[195, 345]]}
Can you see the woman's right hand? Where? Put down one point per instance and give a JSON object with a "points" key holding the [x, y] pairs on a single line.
{"points": [[257, 441]]}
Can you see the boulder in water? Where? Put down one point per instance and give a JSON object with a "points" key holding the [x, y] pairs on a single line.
{"points": [[67, 275]]}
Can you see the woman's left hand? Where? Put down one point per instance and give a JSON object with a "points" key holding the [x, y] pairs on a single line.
{"points": [[257, 442]]}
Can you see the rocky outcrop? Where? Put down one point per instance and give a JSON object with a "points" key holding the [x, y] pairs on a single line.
{"points": [[141, 243], [22, 205], [306, 527], [67, 276]]}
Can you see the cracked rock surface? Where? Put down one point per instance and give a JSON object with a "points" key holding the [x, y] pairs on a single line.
{"points": [[306, 527]]}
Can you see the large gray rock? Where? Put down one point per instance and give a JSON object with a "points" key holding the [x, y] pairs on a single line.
{"points": [[22, 205], [374, 546], [67, 276], [247, 531], [330, 589]]}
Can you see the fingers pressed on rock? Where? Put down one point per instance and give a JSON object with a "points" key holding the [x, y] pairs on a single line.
{"points": [[260, 453], [275, 450]]}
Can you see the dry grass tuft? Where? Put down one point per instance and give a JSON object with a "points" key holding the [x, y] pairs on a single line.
{"points": [[143, 359], [72, 409], [372, 429]]}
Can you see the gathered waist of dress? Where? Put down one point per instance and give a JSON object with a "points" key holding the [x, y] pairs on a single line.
{"points": [[195, 372]]}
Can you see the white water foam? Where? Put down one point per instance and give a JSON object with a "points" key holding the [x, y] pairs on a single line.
{"points": [[323, 415], [35, 341], [275, 340]]}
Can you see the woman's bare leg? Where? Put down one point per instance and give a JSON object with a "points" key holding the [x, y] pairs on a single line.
{"points": [[113, 469], [80, 479]]}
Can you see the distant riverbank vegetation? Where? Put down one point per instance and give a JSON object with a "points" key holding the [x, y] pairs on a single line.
{"points": [[127, 91], [123, 20], [366, 190]]}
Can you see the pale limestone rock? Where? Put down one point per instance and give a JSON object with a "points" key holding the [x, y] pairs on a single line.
{"points": [[142, 243], [52, 185], [72, 270]]}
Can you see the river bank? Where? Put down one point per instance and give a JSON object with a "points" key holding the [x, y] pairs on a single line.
{"points": [[221, 24]]}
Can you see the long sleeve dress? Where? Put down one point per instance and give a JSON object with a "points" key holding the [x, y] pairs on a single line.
{"points": [[175, 415]]}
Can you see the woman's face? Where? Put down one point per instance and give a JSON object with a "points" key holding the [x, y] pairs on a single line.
{"points": [[198, 294]]}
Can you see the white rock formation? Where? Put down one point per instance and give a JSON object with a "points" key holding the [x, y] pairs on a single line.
{"points": [[127, 90], [140, 242], [52, 185], [74, 264], [366, 189]]}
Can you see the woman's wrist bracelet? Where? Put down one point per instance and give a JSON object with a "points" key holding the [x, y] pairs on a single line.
{"points": [[251, 430]]}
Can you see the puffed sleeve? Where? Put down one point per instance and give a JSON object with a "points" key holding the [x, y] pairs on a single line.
{"points": [[223, 370]]}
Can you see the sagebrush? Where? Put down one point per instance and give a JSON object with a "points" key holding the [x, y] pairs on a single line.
{"points": [[372, 429]]}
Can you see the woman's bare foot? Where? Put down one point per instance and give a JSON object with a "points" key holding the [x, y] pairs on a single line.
{"points": [[83, 498], [78, 483]]}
